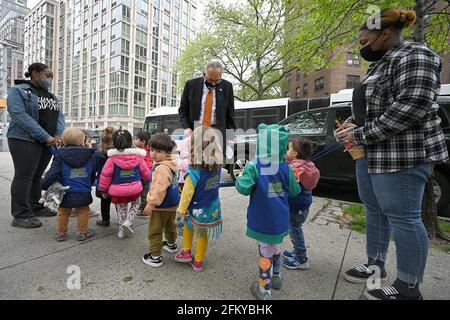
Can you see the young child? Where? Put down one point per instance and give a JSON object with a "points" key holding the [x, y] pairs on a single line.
{"points": [[141, 140], [162, 200], [121, 179], [269, 182], [101, 155], [73, 166], [183, 165], [200, 202], [307, 175]]}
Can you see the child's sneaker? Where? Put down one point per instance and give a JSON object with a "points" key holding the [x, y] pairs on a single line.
{"points": [[150, 260], [86, 235], [184, 256], [61, 236], [103, 223], [266, 295], [196, 265], [121, 233], [128, 227], [295, 264], [171, 248], [277, 283], [288, 254]]}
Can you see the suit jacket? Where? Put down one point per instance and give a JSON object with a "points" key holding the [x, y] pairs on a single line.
{"points": [[191, 101]]}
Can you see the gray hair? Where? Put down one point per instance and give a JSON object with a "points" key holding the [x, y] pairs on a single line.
{"points": [[213, 64]]}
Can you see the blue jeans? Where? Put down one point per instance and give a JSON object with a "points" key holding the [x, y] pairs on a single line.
{"points": [[393, 203], [296, 220]]}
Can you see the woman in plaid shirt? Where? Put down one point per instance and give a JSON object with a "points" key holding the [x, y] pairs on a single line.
{"points": [[395, 120]]}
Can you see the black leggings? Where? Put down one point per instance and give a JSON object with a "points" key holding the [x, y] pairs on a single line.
{"points": [[105, 207], [30, 161]]}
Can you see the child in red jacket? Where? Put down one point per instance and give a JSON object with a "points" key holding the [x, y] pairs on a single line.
{"points": [[121, 179], [141, 141]]}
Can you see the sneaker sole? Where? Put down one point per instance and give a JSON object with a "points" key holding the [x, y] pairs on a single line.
{"points": [[195, 269], [142, 217], [167, 249], [359, 280], [152, 264], [295, 268], [368, 296], [16, 225]]}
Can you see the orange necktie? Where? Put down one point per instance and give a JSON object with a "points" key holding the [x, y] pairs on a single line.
{"points": [[207, 114]]}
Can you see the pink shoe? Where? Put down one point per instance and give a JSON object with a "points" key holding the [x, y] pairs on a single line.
{"points": [[197, 266], [184, 256]]}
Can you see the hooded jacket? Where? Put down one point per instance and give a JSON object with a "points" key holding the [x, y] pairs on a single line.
{"points": [[23, 109], [269, 182], [162, 179], [79, 161], [122, 173], [306, 173]]}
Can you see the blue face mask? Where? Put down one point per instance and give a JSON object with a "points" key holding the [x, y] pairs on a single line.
{"points": [[45, 82]]}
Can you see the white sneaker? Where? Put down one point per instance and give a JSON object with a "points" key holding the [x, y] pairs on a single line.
{"points": [[171, 248], [128, 227], [121, 233]]}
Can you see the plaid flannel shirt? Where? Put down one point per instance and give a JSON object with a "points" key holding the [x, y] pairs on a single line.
{"points": [[402, 126]]}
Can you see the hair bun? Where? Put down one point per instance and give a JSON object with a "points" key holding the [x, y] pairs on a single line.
{"points": [[27, 74], [407, 17]]}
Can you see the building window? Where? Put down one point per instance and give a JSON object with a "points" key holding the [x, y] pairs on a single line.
{"points": [[288, 78], [319, 84], [298, 92], [287, 94], [352, 81], [353, 59], [297, 75], [305, 89]]}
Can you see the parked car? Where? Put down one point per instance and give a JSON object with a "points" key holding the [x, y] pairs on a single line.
{"points": [[337, 167]]}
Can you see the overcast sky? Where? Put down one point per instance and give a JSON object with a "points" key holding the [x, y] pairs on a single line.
{"points": [[32, 3]]}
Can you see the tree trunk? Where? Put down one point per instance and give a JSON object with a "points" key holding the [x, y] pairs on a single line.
{"points": [[419, 35], [429, 212]]}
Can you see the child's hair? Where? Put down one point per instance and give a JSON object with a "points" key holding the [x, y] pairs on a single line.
{"points": [[87, 137], [304, 147], [144, 136], [122, 140], [73, 136], [106, 140], [162, 141], [206, 138]]}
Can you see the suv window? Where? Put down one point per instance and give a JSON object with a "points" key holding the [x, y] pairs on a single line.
{"points": [[444, 114], [307, 123]]}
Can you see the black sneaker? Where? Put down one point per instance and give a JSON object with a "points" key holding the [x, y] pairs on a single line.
{"points": [[27, 223], [389, 293], [45, 212], [150, 260], [170, 248], [361, 273], [103, 223]]}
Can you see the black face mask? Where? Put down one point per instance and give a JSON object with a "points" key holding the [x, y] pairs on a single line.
{"points": [[209, 85], [370, 55]]}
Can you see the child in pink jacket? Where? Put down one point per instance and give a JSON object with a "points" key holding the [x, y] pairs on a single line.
{"points": [[121, 179]]}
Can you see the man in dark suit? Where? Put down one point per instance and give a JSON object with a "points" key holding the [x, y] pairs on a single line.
{"points": [[209, 101]]}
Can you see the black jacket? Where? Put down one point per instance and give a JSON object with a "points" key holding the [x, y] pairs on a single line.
{"points": [[75, 157], [191, 101], [100, 160]]}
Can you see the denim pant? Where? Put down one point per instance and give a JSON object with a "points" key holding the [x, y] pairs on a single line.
{"points": [[296, 220], [393, 203]]}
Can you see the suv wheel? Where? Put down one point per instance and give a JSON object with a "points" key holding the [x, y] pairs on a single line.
{"points": [[237, 167], [441, 187]]}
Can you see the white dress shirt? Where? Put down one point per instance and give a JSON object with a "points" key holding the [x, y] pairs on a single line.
{"points": [[213, 116]]}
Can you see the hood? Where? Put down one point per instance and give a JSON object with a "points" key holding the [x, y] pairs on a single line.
{"points": [[76, 156], [128, 158], [301, 163], [171, 162], [272, 151]]}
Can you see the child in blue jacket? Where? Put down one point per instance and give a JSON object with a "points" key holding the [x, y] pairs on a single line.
{"points": [[74, 167]]}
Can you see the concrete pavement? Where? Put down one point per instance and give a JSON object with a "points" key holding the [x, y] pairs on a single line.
{"points": [[34, 266]]}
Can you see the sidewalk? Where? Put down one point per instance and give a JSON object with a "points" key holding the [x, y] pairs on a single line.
{"points": [[33, 265]]}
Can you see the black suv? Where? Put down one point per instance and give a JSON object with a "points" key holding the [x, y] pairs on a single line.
{"points": [[338, 167]]}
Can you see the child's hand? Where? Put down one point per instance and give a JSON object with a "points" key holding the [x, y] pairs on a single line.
{"points": [[148, 211]]}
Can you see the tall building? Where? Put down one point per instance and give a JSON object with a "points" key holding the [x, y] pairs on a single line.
{"points": [[114, 59], [12, 15]]}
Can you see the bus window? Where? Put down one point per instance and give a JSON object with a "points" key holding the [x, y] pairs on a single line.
{"points": [[240, 119], [152, 125], [265, 115]]}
